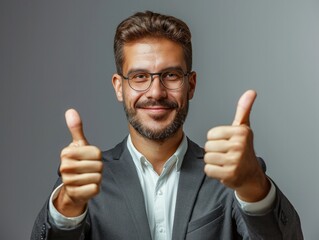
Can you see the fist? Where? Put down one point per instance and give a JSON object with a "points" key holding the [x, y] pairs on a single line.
{"points": [[80, 168]]}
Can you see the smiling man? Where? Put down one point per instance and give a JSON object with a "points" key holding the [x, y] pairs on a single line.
{"points": [[156, 105], [157, 183]]}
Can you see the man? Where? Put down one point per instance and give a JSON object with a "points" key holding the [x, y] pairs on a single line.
{"points": [[158, 184]]}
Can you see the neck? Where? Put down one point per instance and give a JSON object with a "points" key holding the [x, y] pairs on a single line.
{"points": [[157, 152]]}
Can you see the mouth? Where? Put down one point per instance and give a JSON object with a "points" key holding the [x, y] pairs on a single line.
{"points": [[157, 108]]}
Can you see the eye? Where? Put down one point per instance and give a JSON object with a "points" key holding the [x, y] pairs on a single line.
{"points": [[139, 77], [172, 75]]}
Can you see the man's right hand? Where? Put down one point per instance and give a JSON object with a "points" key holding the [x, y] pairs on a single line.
{"points": [[81, 170]]}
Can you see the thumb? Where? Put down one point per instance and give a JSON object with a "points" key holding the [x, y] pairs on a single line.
{"points": [[74, 123], [244, 107]]}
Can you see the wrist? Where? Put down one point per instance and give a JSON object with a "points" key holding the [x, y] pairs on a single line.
{"points": [[68, 207], [261, 207], [254, 190]]}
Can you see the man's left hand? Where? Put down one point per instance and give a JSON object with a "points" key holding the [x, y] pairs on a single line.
{"points": [[230, 155]]}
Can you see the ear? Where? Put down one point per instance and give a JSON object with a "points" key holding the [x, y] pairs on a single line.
{"points": [[191, 85], [117, 84]]}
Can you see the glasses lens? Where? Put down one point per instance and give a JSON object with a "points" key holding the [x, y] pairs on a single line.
{"points": [[173, 79], [139, 80]]}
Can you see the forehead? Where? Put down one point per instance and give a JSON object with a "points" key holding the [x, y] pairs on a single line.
{"points": [[152, 54]]}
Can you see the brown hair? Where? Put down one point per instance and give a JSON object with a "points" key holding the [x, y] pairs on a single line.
{"points": [[150, 24]]}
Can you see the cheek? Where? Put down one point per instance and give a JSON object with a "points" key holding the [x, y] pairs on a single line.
{"points": [[181, 97], [130, 97]]}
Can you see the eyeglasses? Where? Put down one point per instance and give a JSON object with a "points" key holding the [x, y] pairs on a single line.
{"points": [[171, 79]]}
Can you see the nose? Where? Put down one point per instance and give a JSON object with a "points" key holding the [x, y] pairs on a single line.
{"points": [[156, 90]]}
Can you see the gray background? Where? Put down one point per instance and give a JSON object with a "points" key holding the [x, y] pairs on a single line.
{"points": [[58, 54]]}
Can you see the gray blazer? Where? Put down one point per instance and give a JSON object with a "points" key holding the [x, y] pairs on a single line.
{"points": [[205, 209]]}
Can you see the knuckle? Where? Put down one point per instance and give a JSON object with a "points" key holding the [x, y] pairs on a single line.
{"points": [[206, 158], [99, 179], [68, 166], [99, 154], [65, 179], [65, 167], [95, 189], [65, 152], [210, 133], [206, 147], [238, 146], [96, 152], [210, 158], [207, 170], [69, 180], [72, 192], [232, 158], [243, 131], [100, 166]]}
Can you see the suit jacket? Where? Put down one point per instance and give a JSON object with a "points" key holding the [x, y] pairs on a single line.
{"points": [[205, 208]]}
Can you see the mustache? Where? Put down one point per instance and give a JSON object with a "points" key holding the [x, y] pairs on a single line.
{"points": [[162, 103]]}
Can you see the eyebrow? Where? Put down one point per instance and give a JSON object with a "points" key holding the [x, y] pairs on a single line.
{"points": [[133, 70]]}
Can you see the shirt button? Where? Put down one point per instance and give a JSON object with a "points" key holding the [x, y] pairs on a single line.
{"points": [[161, 230], [160, 192]]}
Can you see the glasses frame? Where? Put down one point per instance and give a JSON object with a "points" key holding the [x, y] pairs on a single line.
{"points": [[159, 74]]}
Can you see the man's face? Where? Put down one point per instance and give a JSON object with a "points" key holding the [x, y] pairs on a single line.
{"points": [[157, 113]]}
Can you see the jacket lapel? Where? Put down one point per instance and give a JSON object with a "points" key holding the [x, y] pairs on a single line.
{"points": [[126, 177], [191, 178]]}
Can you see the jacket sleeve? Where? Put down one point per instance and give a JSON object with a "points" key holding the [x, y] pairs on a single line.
{"points": [[281, 222], [44, 227]]}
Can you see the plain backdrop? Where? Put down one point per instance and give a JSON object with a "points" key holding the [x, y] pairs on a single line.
{"points": [[58, 54]]}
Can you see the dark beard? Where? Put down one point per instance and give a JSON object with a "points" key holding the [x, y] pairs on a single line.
{"points": [[151, 134]]}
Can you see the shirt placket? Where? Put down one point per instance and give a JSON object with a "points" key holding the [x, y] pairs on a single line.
{"points": [[159, 203], [159, 208]]}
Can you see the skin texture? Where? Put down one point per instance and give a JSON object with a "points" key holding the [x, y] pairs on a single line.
{"points": [[229, 157]]}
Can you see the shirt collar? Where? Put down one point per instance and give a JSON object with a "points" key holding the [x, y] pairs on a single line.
{"points": [[176, 158]]}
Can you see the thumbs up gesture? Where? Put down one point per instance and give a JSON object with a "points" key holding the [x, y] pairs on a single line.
{"points": [[81, 170], [230, 155]]}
